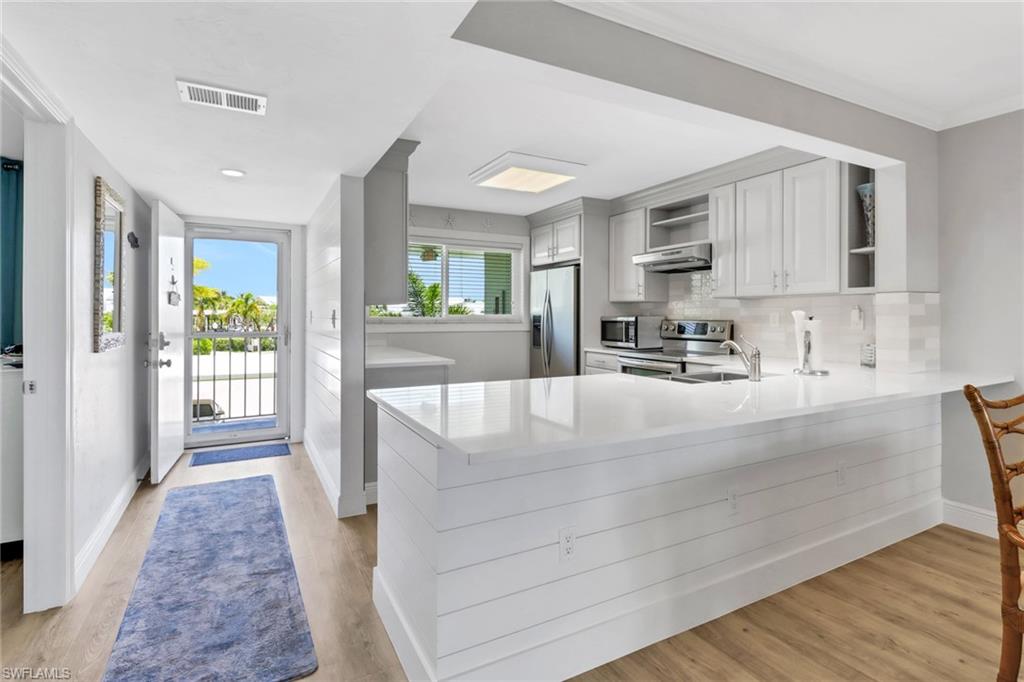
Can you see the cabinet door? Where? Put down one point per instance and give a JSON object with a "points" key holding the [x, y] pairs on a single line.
{"points": [[759, 235], [810, 228], [567, 239], [542, 245], [625, 240], [628, 282], [722, 228]]}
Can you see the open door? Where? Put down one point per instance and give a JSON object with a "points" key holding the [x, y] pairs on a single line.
{"points": [[167, 279]]}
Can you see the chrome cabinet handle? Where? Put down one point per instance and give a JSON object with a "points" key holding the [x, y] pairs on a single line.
{"points": [[334, 319], [785, 279], [775, 280]]}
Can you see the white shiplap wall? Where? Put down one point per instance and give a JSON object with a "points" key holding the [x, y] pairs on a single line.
{"points": [[322, 436], [469, 576]]}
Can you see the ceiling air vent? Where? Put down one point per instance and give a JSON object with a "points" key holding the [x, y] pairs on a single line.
{"points": [[222, 98]]}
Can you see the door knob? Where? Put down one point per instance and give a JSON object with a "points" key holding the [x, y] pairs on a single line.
{"points": [[164, 363]]}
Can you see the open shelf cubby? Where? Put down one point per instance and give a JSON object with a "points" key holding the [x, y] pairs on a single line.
{"points": [[679, 222], [859, 255]]}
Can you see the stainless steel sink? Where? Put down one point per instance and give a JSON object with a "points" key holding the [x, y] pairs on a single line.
{"points": [[710, 377]]}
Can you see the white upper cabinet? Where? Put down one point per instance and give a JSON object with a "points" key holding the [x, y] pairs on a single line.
{"points": [[759, 235], [628, 282], [810, 228], [557, 242], [722, 232], [542, 245], [567, 238]]}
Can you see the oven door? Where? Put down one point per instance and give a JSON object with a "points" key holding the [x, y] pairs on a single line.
{"points": [[619, 333], [650, 368]]}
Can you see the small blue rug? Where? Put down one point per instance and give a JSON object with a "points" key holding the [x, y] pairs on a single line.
{"points": [[239, 454], [217, 597]]}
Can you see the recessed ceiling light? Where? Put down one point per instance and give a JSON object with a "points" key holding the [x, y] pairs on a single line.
{"points": [[232, 172], [525, 173]]}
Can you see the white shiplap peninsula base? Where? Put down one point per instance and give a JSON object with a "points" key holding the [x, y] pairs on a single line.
{"points": [[671, 530]]}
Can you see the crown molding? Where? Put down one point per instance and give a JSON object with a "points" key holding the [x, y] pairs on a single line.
{"points": [[647, 19], [983, 111], [27, 92], [703, 181]]}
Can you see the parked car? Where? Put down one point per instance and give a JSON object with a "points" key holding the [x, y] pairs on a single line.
{"points": [[204, 409]]}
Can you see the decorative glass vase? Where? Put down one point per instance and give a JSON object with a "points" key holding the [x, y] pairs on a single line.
{"points": [[867, 200]]}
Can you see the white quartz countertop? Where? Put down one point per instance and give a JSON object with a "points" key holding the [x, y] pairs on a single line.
{"points": [[498, 420], [385, 357]]}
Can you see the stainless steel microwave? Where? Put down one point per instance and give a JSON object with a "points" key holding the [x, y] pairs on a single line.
{"points": [[631, 331]]}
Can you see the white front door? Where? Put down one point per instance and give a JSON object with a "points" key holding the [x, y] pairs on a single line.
{"points": [[167, 282]]}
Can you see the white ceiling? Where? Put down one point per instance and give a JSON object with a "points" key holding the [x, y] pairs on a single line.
{"points": [[933, 63], [343, 81], [480, 115]]}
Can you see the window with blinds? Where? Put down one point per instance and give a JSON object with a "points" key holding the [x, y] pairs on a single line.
{"points": [[455, 280]]}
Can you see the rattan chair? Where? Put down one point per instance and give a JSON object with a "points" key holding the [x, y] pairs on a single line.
{"points": [[1007, 518]]}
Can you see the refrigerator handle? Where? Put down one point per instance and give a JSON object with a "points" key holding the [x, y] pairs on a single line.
{"points": [[551, 328], [544, 332]]}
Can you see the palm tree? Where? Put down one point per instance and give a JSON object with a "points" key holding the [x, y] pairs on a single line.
{"points": [[248, 309], [205, 300]]}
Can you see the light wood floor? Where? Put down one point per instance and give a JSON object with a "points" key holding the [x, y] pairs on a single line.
{"points": [[925, 608]]}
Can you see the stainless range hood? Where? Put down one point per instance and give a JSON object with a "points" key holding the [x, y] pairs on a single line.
{"points": [[682, 259]]}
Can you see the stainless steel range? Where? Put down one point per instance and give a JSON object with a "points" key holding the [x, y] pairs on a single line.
{"points": [[688, 346]]}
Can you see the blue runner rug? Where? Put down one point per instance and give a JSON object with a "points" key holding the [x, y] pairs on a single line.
{"points": [[217, 597], [238, 454]]}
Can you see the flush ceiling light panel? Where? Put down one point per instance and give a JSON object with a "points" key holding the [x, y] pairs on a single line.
{"points": [[222, 98], [525, 173]]}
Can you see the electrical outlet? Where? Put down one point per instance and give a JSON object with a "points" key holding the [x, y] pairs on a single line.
{"points": [[841, 475], [566, 543]]}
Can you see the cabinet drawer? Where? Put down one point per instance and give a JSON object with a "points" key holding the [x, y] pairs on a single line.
{"points": [[603, 361], [598, 370]]}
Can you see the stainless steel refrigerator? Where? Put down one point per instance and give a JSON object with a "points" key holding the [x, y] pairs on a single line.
{"points": [[554, 315]]}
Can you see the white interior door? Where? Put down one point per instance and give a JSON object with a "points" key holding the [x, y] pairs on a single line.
{"points": [[167, 273]]}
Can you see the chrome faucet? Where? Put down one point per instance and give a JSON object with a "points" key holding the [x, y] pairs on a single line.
{"points": [[751, 361]]}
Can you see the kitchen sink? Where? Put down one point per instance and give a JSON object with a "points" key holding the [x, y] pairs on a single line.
{"points": [[709, 377]]}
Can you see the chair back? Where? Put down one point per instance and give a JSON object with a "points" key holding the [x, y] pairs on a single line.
{"points": [[1007, 515]]}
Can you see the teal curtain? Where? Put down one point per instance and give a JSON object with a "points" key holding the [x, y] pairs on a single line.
{"points": [[11, 240]]}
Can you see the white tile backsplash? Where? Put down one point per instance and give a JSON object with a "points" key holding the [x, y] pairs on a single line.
{"points": [[908, 331], [768, 323]]}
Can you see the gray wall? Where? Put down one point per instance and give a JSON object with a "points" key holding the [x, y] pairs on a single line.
{"points": [[981, 223], [479, 356]]}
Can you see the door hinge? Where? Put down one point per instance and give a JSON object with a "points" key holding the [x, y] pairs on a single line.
{"points": [[28, 387]]}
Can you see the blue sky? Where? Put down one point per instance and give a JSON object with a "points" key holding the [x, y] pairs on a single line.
{"points": [[238, 267]]}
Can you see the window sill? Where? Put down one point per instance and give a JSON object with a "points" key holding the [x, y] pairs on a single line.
{"points": [[405, 325]]}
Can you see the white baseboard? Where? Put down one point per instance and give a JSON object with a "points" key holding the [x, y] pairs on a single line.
{"points": [[326, 482], [370, 490], [414, 662], [974, 519], [86, 558], [606, 641]]}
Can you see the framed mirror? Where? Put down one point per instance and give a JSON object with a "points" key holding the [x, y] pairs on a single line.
{"points": [[108, 314]]}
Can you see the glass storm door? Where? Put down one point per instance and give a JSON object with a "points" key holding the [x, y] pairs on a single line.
{"points": [[237, 379]]}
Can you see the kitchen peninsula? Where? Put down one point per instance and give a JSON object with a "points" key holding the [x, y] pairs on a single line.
{"points": [[539, 528]]}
